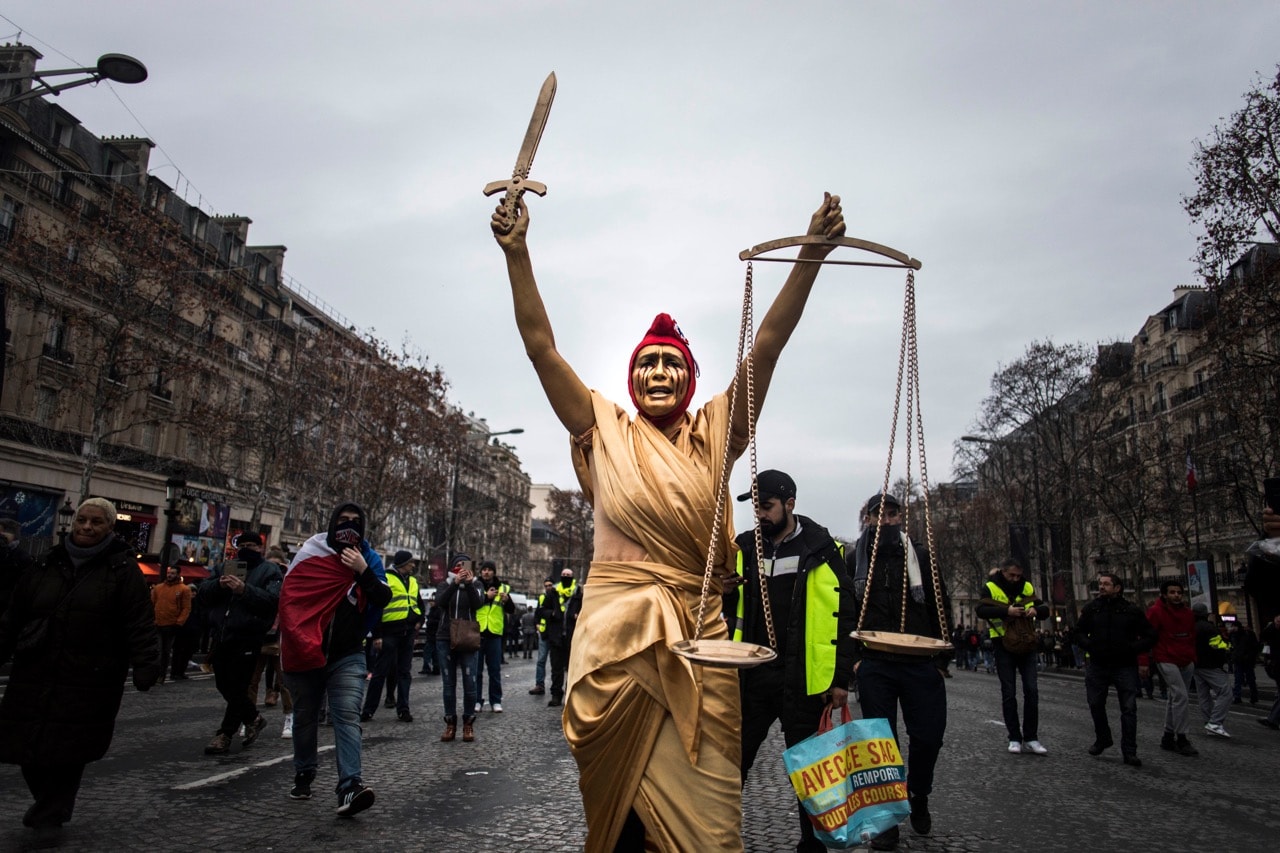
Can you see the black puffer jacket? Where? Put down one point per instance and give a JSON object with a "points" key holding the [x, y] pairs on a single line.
{"points": [[62, 699]]}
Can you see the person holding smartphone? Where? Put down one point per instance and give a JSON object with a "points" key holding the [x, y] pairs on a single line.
{"points": [[459, 597], [241, 604]]}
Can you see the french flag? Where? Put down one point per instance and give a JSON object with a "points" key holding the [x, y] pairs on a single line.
{"points": [[314, 585]]}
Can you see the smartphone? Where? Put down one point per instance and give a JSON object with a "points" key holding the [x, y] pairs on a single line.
{"points": [[239, 568], [466, 565], [1271, 492]]}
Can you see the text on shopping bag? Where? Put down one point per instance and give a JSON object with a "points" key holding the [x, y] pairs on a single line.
{"points": [[871, 760]]}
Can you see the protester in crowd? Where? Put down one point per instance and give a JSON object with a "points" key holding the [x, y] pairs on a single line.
{"points": [[1174, 654], [75, 625], [895, 594], [1244, 658], [811, 608], [171, 602], [393, 639], [544, 649], [1009, 596], [495, 614], [1113, 631], [335, 582], [242, 610], [1213, 689], [459, 597], [14, 561]]}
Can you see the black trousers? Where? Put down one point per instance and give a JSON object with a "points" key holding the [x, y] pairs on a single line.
{"points": [[168, 634], [765, 700], [394, 665], [559, 665], [54, 788], [232, 670]]}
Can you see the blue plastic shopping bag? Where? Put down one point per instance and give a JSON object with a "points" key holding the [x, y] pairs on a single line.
{"points": [[850, 780]]}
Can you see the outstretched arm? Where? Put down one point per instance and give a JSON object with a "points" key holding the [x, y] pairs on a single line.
{"points": [[569, 397], [784, 313]]}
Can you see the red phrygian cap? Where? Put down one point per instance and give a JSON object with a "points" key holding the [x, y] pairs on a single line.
{"points": [[665, 331]]}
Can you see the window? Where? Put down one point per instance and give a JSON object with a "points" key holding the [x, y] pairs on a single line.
{"points": [[1160, 403], [56, 339], [147, 440], [46, 405], [1172, 353], [160, 387], [61, 134], [10, 211]]}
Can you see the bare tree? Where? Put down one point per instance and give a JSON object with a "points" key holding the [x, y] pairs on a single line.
{"points": [[112, 283], [573, 519], [1237, 174]]}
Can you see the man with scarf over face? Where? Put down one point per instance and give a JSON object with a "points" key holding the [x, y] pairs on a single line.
{"points": [[335, 585], [888, 680], [242, 611], [655, 736]]}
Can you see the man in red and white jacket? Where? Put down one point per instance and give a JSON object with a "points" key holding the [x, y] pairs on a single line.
{"points": [[1174, 655]]}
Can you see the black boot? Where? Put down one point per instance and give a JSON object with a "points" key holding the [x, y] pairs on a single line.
{"points": [[921, 820]]}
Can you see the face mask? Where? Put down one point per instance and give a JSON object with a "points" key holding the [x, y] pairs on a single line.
{"points": [[348, 534], [566, 581], [251, 557]]}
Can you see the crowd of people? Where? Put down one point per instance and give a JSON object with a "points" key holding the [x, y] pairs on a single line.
{"points": [[663, 743]]}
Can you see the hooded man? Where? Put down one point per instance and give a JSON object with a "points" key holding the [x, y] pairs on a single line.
{"points": [[656, 738], [1213, 687], [334, 584], [241, 603], [559, 612], [895, 593]]}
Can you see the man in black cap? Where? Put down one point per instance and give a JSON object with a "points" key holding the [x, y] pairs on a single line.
{"points": [[901, 582], [393, 638], [810, 600], [241, 603]]}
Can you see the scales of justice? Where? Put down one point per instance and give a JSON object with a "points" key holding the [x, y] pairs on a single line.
{"points": [[728, 653]]}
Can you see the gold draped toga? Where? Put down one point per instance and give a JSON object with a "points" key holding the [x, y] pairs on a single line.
{"points": [[649, 730]]}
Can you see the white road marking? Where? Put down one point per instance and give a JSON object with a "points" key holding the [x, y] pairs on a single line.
{"points": [[239, 771]]}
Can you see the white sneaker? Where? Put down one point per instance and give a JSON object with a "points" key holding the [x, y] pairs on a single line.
{"points": [[496, 707], [1036, 746], [1015, 747], [1215, 729], [240, 732], [287, 732], [479, 707]]}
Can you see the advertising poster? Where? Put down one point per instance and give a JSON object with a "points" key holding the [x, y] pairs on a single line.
{"points": [[200, 529], [1200, 584]]}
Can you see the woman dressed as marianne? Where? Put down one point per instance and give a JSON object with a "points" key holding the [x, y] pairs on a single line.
{"points": [[656, 737]]}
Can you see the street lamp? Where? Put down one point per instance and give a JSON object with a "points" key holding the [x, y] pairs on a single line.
{"points": [[116, 67], [65, 512], [173, 488]]}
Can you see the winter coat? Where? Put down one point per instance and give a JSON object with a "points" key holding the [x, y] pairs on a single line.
{"points": [[243, 620], [63, 696], [1113, 631]]}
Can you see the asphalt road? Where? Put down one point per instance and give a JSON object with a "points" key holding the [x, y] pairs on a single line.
{"points": [[515, 788]]}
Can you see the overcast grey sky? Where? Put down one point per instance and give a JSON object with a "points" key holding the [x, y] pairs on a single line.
{"points": [[1032, 155]]}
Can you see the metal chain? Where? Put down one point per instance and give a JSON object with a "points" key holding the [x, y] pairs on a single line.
{"points": [[717, 525], [908, 369], [765, 603], [888, 467], [913, 378]]}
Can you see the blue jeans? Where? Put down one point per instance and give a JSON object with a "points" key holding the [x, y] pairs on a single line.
{"points": [[540, 669], [1008, 667], [919, 689], [344, 681], [1097, 679], [490, 658], [450, 661]]}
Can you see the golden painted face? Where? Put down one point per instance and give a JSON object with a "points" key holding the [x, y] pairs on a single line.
{"points": [[659, 379]]}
